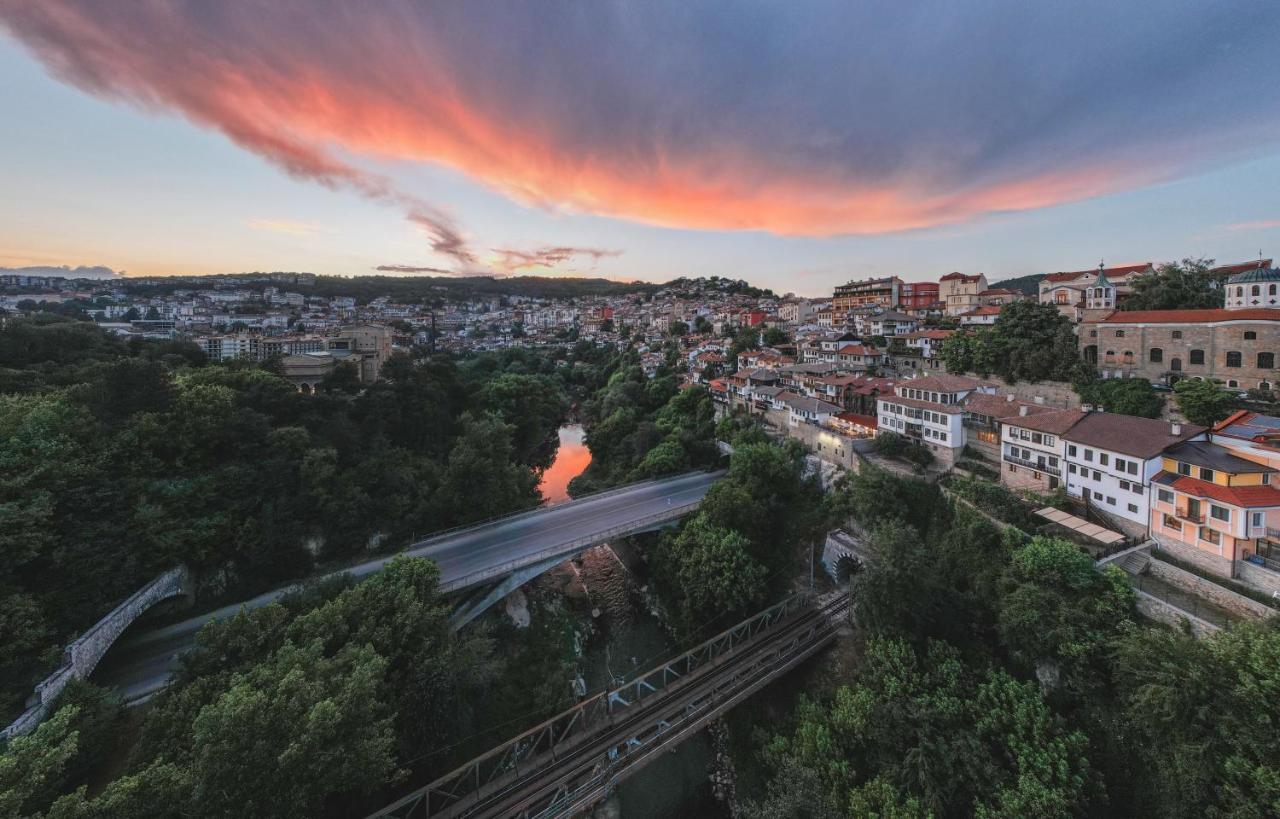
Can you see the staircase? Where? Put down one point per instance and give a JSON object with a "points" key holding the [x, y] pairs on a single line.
{"points": [[1135, 562]]}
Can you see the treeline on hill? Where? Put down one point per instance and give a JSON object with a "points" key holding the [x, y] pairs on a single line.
{"points": [[121, 460], [1002, 676], [639, 427], [329, 702], [420, 289]]}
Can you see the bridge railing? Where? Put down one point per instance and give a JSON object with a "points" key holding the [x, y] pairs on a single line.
{"points": [[566, 729], [505, 568], [617, 490], [82, 655]]}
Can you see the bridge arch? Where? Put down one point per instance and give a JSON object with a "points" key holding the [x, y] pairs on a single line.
{"points": [[83, 654]]}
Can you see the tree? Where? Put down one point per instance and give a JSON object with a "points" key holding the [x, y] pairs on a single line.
{"points": [[1202, 402], [715, 572], [480, 481], [1058, 614], [917, 733], [131, 314], [1127, 396], [678, 328], [775, 336], [1028, 342], [32, 764], [1190, 285]]}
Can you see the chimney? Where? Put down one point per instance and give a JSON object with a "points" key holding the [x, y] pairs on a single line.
{"points": [[1175, 428], [1022, 410], [1086, 407]]}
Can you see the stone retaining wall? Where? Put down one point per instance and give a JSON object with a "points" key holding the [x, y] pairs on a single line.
{"points": [[1260, 578], [1160, 611], [1212, 564], [82, 656], [1208, 590]]}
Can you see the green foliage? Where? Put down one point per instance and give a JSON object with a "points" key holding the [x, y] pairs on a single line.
{"points": [[893, 445], [1028, 342], [34, 763], [1127, 396], [746, 338], [639, 428], [1058, 610], [1029, 284], [119, 461], [917, 732], [1176, 286], [1202, 402], [1200, 719], [775, 336], [996, 500]]}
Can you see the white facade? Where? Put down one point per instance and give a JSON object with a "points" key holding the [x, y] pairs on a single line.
{"points": [[1115, 483], [1030, 458]]}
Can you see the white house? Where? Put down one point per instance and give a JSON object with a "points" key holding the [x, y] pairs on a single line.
{"points": [[1112, 458], [1032, 449], [931, 411]]}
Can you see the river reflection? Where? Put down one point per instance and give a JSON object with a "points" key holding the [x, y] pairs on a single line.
{"points": [[571, 459]]}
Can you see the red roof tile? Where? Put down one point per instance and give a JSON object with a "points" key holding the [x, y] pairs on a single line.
{"points": [[1189, 316], [868, 421], [1247, 496]]}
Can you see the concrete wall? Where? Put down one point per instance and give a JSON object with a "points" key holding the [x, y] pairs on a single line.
{"points": [[1208, 590], [1211, 563], [1259, 578], [1160, 611], [82, 656]]}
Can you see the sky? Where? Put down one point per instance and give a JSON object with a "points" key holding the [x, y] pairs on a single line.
{"points": [[796, 145]]}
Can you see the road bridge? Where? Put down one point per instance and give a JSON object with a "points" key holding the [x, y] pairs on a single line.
{"points": [[508, 550], [575, 760]]}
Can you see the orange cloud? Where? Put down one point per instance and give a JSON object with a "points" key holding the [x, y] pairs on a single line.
{"points": [[309, 90]]}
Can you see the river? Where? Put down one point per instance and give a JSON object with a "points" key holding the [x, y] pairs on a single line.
{"points": [[625, 639]]}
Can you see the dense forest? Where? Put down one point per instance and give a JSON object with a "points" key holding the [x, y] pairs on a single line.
{"points": [[997, 675], [121, 460]]}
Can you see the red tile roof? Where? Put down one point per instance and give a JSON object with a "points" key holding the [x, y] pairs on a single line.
{"points": [[984, 310], [868, 421], [1231, 269], [1247, 496], [1112, 272], [1189, 316]]}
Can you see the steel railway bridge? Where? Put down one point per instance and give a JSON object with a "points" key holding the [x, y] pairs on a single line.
{"points": [[575, 760]]}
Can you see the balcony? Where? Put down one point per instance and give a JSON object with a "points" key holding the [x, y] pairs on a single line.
{"points": [[1038, 465], [1192, 517]]}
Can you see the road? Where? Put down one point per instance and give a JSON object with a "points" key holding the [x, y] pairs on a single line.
{"points": [[141, 664]]}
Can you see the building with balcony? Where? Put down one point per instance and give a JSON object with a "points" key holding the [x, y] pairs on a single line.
{"points": [[930, 411], [881, 293], [1032, 449], [1112, 458], [1215, 509], [1251, 435]]}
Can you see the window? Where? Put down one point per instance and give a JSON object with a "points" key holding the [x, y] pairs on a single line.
{"points": [[1206, 474], [1133, 507], [1093, 334], [1119, 333], [1197, 357], [1219, 512], [1177, 334], [1124, 485], [1136, 488], [1097, 496], [1250, 335], [1071, 450], [1088, 454], [1111, 501], [1048, 440], [1233, 358], [1259, 520], [1132, 468], [1120, 462], [1184, 469], [1170, 522], [1157, 355], [1102, 458], [1210, 535], [1266, 361], [1071, 468], [1164, 495], [1097, 476]]}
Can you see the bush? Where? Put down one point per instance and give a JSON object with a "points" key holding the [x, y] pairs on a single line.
{"points": [[893, 445], [995, 500]]}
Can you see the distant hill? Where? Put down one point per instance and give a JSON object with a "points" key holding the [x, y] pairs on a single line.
{"points": [[410, 289], [1029, 284], [65, 271]]}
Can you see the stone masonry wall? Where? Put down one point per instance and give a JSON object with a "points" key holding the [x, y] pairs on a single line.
{"points": [[1256, 576], [1213, 564], [1160, 611], [82, 656], [1208, 590]]}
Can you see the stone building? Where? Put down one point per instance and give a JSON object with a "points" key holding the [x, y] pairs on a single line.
{"points": [[1237, 347], [960, 293]]}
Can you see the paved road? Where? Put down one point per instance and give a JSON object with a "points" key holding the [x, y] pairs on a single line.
{"points": [[141, 664]]}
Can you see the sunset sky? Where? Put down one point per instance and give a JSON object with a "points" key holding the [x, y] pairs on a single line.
{"points": [[795, 144]]}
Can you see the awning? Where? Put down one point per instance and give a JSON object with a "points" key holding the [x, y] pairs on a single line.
{"points": [[1076, 524]]}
